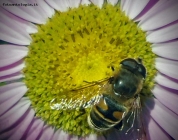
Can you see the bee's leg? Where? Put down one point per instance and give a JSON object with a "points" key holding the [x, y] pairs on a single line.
{"points": [[82, 110], [119, 126]]}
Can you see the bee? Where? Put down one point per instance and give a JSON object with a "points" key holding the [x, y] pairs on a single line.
{"points": [[118, 105]]}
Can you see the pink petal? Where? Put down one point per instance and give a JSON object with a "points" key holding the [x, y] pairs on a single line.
{"points": [[164, 34], [85, 2], [163, 116], [11, 77], [113, 2], [35, 129], [99, 3], [153, 130], [13, 33], [60, 135], [168, 10], [25, 25], [166, 50], [19, 129], [133, 8], [10, 54], [59, 5], [17, 67], [49, 11], [166, 81], [10, 95], [166, 97], [13, 115], [73, 138], [167, 67], [47, 133], [29, 13]]}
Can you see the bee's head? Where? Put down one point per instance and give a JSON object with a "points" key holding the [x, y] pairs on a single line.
{"points": [[134, 66]]}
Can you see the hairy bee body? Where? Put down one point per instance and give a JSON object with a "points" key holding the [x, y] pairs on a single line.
{"points": [[118, 96]]}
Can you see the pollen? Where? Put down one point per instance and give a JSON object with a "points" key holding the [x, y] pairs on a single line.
{"points": [[78, 48]]}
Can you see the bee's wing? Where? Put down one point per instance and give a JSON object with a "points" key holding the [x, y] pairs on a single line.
{"points": [[133, 123]]}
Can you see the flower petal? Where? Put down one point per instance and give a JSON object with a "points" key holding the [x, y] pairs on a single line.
{"points": [[163, 116], [113, 2], [166, 50], [10, 54], [59, 5], [167, 97], [47, 9], [13, 115], [164, 34], [85, 2], [168, 10], [60, 135], [133, 8], [29, 13], [11, 77], [47, 133], [10, 95], [25, 25], [74, 3], [34, 130], [167, 67], [99, 3], [11, 69], [153, 130], [166, 81]]}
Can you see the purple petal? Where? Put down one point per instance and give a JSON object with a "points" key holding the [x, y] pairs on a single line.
{"points": [[11, 69], [153, 130], [60, 135], [166, 81], [25, 25], [46, 8], [13, 115], [99, 3], [85, 2], [113, 2], [164, 34], [10, 54], [168, 10], [10, 95], [59, 5], [17, 131], [11, 77], [29, 13], [133, 8], [166, 97], [93, 137], [47, 133], [167, 67], [163, 116], [166, 50], [34, 130]]}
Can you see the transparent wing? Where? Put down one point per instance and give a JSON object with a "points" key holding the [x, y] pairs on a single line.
{"points": [[133, 128], [80, 97]]}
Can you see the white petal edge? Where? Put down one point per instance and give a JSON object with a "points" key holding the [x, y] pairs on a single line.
{"points": [[59, 5], [113, 2], [166, 97], [164, 34], [99, 3], [163, 116], [10, 54], [163, 15], [85, 2], [167, 67], [166, 82], [133, 8], [166, 50], [29, 27]]}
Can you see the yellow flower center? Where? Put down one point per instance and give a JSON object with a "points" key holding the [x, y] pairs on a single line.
{"points": [[75, 48]]}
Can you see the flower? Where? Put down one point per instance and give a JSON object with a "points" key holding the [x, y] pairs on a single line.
{"points": [[157, 18]]}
